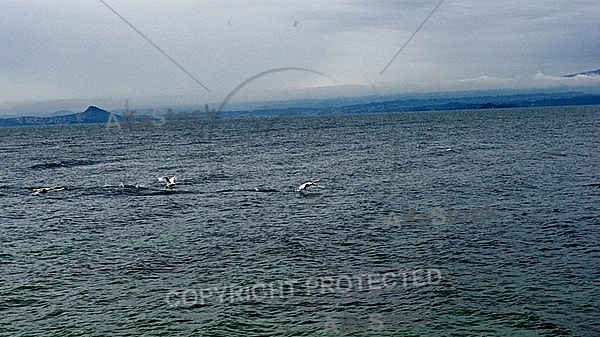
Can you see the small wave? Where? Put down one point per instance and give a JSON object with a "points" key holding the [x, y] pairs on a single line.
{"points": [[125, 186], [61, 163], [261, 190], [6, 258], [132, 190], [45, 190]]}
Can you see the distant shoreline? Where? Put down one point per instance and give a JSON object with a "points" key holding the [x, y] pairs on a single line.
{"points": [[95, 115]]}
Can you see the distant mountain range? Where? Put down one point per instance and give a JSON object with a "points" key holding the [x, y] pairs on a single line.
{"points": [[95, 115], [430, 104], [587, 73], [92, 115]]}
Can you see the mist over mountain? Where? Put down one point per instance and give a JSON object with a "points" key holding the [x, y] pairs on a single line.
{"points": [[586, 73], [434, 102]]}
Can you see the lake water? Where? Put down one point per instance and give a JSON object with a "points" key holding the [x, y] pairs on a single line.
{"points": [[235, 250]]}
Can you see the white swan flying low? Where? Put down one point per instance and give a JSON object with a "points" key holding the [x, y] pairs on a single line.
{"points": [[169, 182], [308, 184]]}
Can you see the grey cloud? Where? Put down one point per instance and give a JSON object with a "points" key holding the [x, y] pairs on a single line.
{"points": [[80, 50]]}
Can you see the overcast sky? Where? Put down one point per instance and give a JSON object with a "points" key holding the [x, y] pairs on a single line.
{"points": [[78, 52]]}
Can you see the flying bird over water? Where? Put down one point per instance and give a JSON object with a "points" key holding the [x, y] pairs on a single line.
{"points": [[169, 182], [308, 184]]}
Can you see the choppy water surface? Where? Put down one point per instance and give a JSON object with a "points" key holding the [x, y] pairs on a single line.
{"points": [[114, 253]]}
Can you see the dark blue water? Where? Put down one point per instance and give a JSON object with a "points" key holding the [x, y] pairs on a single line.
{"points": [[117, 254]]}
